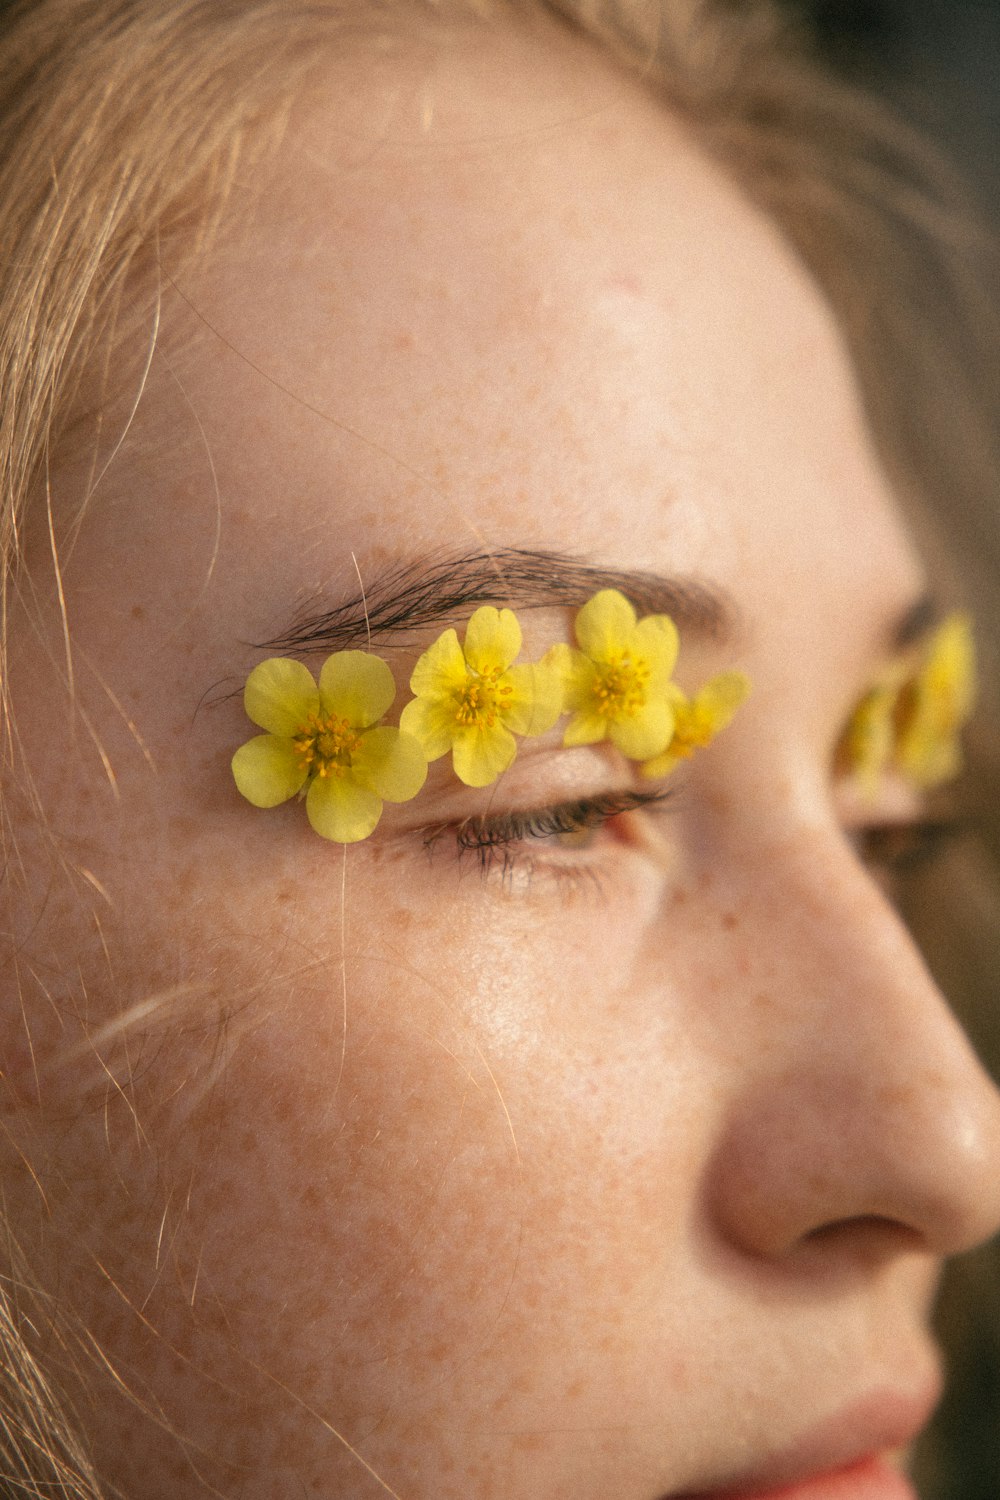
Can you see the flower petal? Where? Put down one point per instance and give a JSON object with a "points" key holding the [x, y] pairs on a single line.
{"points": [[605, 624], [280, 694], [536, 700], [934, 705], [950, 671], [647, 733], [662, 765], [585, 728], [481, 755], [579, 675], [357, 687], [441, 669], [721, 696], [867, 744], [432, 722], [267, 770], [391, 764], [492, 639], [560, 659], [657, 641], [339, 809]]}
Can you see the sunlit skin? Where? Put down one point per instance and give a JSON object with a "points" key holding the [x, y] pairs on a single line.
{"points": [[620, 1175]]}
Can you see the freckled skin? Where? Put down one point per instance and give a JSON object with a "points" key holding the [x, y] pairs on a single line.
{"points": [[516, 1191]]}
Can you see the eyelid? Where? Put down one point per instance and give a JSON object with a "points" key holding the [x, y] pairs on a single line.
{"points": [[521, 844], [518, 825]]}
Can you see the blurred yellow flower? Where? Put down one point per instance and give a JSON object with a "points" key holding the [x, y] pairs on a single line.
{"points": [[935, 704], [868, 744], [911, 719], [324, 742], [698, 720], [617, 685], [471, 699]]}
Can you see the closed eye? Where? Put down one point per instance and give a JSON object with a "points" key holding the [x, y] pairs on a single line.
{"points": [[502, 839]]}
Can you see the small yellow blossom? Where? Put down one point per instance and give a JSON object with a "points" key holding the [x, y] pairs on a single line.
{"points": [[324, 742], [699, 719], [868, 744], [471, 699], [935, 704], [910, 720], [617, 685]]}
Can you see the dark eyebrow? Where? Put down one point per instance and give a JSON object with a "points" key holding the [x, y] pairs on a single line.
{"points": [[414, 594], [914, 622]]}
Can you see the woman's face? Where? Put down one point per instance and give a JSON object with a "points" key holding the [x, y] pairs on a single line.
{"points": [[620, 1165]]}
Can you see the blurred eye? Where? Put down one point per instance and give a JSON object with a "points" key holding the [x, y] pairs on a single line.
{"points": [[894, 852]]}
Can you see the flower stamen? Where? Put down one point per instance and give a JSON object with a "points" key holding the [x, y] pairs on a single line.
{"points": [[478, 701], [621, 687], [324, 745]]}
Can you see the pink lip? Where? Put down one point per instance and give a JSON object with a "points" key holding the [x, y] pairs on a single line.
{"points": [[842, 1458], [869, 1479]]}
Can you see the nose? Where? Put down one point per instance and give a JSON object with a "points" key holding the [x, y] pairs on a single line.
{"points": [[858, 1099]]}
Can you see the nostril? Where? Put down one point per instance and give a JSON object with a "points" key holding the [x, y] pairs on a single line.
{"points": [[863, 1148], [867, 1238]]}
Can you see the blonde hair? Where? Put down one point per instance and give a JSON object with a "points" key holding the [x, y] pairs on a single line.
{"points": [[122, 123]]}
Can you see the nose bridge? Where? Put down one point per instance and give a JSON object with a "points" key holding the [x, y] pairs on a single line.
{"points": [[865, 1100]]}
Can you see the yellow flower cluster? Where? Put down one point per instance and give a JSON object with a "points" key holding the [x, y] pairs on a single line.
{"points": [[910, 720], [617, 686], [325, 741]]}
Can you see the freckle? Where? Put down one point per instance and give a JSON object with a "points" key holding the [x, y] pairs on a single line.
{"points": [[680, 895], [763, 1001], [575, 1389], [730, 920], [287, 893], [138, 613], [403, 342], [528, 1442]]}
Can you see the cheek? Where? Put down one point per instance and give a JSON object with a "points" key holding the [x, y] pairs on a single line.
{"points": [[443, 1140], [478, 1135]]}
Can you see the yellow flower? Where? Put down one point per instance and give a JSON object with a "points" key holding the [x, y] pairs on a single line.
{"points": [[325, 742], [910, 720], [935, 704], [471, 700], [698, 720], [617, 685], [868, 744]]}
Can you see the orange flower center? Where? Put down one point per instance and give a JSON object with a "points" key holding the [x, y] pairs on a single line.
{"points": [[620, 687], [480, 701], [325, 744]]}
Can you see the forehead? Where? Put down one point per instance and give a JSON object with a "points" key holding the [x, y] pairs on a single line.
{"points": [[488, 293]]}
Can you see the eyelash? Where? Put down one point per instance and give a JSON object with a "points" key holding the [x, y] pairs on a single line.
{"points": [[893, 852], [494, 838]]}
